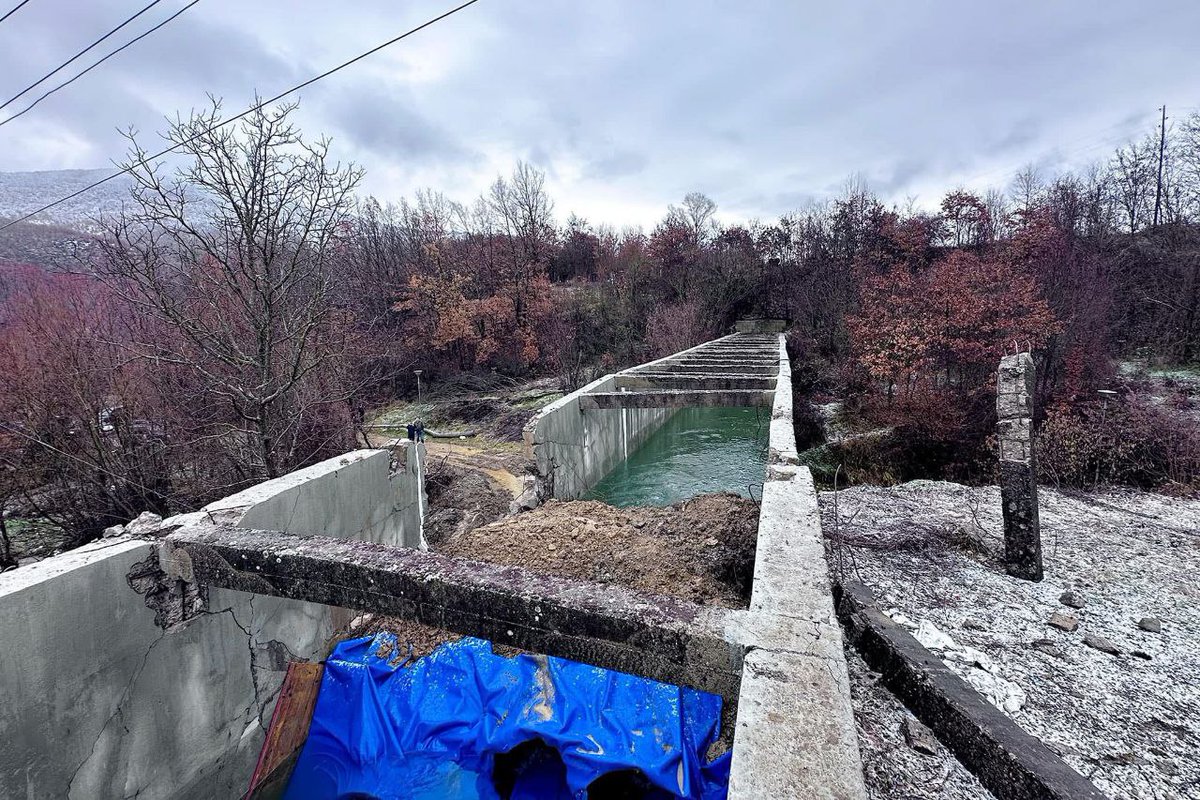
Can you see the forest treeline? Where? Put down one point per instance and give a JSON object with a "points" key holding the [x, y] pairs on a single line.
{"points": [[242, 316]]}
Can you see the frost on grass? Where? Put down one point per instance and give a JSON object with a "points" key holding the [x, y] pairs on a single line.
{"points": [[1131, 721]]}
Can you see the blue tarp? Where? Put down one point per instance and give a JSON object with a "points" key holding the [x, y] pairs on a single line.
{"points": [[434, 729]]}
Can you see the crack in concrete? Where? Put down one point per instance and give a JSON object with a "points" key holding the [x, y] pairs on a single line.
{"points": [[118, 711]]}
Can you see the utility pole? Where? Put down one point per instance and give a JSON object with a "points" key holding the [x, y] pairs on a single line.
{"points": [[1162, 147]]}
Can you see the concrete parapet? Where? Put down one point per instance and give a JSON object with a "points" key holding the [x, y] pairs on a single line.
{"points": [[678, 398], [795, 733], [573, 448], [1012, 764], [102, 687]]}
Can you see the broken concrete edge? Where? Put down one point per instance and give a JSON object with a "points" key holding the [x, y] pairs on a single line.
{"points": [[1010, 763], [659, 637]]}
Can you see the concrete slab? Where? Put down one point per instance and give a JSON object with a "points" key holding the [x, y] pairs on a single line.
{"points": [[793, 738], [677, 398], [602, 624], [661, 380]]}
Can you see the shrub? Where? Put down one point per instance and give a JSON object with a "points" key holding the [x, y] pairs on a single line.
{"points": [[1130, 441]]}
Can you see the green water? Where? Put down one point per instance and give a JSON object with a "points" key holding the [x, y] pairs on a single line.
{"points": [[698, 450]]}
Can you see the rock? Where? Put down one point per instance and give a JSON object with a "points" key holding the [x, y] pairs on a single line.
{"points": [[552, 547], [113, 530], [1046, 646], [1142, 654], [1063, 622], [919, 737], [1101, 644], [1071, 599], [711, 541], [146, 524], [526, 501], [974, 625], [639, 523], [1151, 624], [930, 636]]}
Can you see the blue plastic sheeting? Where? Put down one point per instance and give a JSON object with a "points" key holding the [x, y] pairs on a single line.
{"points": [[433, 729]]}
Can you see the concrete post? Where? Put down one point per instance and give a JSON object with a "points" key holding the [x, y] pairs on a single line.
{"points": [[1018, 470]]}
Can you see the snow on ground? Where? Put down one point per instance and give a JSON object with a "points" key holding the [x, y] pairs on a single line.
{"points": [[892, 768], [1131, 721]]}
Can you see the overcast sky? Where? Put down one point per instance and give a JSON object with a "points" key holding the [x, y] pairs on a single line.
{"points": [[629, 104]]}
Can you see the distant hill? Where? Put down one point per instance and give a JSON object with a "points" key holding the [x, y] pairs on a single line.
{"points": [[23, 192]]}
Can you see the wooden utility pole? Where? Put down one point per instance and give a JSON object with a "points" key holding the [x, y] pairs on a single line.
{"points": [[1162, 147]]}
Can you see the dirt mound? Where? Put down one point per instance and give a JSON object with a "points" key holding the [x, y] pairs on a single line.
{"points": [[701, 550], [461, 499]]}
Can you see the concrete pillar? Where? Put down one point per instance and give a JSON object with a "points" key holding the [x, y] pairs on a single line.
{"points": [[1018, 470]]}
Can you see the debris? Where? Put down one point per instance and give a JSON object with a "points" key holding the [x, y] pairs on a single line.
{"points": [[1142, 654], [710, 538], [1101, 644], [145, 524], [1063, 622], [1151, 624], [113, 530], [972, 624], [919, 737], [1071, 599]]}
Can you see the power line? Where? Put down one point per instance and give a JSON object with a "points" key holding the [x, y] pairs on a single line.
{"points": [[66, 63], [68, 82], [247, 112], [13, 11]]}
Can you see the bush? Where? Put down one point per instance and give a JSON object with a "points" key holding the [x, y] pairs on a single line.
{"points": [[1130, 441]]}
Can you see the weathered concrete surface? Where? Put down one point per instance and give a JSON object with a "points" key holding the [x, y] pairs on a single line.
{"points": [[98, 701], [354, 496], [1012, 764], [667, 380], [1018, 468], [677, 398], [602, 624], [795, 733]]}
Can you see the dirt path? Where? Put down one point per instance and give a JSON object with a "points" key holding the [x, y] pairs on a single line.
{"points": [[495, 464]]}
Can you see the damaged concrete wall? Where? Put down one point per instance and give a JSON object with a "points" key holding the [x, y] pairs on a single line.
{"points": [[575, 448], [97, 700]]}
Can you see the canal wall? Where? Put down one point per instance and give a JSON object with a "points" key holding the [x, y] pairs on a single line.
{"points": [[112, 684], [795, 734], [572, 447]]}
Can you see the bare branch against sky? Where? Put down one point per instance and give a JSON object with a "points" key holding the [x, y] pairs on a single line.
{"points": [[628, 105]]}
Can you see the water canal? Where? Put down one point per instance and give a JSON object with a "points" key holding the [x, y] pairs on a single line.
{"points": [[697, 451]]}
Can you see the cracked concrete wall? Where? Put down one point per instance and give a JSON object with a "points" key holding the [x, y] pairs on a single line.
{"points": [[97, 701], [575, 448]]}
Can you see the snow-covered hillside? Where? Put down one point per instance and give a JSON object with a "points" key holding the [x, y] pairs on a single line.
{"points": [[23, 192]]}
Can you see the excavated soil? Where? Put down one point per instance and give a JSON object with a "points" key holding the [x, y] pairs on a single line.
{"points": [[701, 550]]}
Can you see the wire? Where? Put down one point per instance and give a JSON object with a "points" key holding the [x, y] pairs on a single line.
{"points": [[247, 112], [15, 10], [67, 83], [9, 101]]}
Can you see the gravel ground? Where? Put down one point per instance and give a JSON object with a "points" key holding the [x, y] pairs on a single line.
{"points": [[892, 769], [1130, 721]]}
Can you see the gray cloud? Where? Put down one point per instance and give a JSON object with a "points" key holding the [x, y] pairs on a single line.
{"points": [[627, 105]]}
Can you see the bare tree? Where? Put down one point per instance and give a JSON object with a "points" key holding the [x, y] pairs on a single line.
{"points": [[234, 256], [1132, 174]]}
